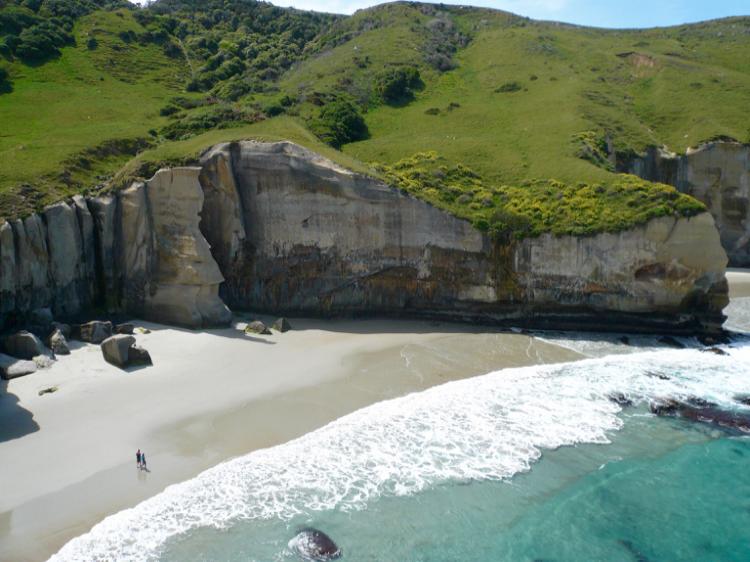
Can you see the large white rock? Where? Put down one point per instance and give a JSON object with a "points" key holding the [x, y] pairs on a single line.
{"points": [[184, 287]]}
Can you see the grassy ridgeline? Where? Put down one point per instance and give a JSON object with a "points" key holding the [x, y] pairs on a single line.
{"points": [[521, 108]]}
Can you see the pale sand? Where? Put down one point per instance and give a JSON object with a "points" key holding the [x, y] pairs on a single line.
{"points": [[210, 396], [739, 283]]}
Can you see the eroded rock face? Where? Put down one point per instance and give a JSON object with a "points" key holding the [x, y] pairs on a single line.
{"points": [[718, 174], [275, 228], [320, 240], [184, 286]]}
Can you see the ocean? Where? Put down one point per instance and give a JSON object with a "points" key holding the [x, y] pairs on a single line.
{"points": [[533, 463]]}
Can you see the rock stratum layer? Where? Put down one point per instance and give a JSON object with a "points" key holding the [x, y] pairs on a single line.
{"points": [[277, 228], [716, 173]]}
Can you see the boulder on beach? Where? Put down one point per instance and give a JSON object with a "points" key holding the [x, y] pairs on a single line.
{"points": [[120, 350], [312, 544], [63, 328], [126, 328], [95, 331], [282, 325], [11, 367], [57, 343], [24, 345], [257, 327]]}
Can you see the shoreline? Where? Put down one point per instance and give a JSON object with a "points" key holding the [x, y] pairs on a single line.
{"points": [[211, 396]]}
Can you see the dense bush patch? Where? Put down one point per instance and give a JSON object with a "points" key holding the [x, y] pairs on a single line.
{"points": [[339, 122], [537, 206]]}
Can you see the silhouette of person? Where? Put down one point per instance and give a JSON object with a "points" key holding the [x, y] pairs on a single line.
{"points": [[138, 457]]}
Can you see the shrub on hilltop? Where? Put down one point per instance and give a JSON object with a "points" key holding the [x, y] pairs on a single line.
{"points": [[339, 122], [397, 85]]}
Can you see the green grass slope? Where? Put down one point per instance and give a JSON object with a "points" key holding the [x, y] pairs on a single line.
{"points": [[514, 124]]}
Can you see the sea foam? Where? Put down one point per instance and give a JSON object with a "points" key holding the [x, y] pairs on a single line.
{"points": [[485, 428]]}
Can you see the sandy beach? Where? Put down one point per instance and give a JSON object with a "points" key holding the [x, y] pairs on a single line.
{"points": [[69, 457]]}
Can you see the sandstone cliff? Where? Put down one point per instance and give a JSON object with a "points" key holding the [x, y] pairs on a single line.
{"points": [[277, 228], [294, 233], [139, 251], [716, 173]]}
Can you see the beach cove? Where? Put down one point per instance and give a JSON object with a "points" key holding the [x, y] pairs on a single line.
{"points": [[210, 396]]}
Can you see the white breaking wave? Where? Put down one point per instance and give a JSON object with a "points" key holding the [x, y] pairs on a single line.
{"points": [[486, 428]]}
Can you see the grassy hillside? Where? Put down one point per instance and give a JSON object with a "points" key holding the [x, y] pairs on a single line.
{"points": [[511, 123]]}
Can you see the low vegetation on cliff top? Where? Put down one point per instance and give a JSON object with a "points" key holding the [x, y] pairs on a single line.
{"points": [[94, 92], [533, 207]]}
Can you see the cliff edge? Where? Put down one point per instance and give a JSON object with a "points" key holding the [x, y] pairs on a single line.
{"points": [[274, 227]]}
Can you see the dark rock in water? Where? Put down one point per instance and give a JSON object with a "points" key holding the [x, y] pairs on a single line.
{"points": [[49, 390], [620, 399], [743, 399], [314, 545], [257, 327], [24, 345], [655, 375], [699, 410], [282, 325], [700, 402], [625, 340], [58, 344], [713, 340], [95, 332], [671, 342], [126, 329], [637, 554], [714, 350]]}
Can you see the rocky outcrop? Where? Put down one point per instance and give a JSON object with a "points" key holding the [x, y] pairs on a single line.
{"points": [[716, 173], [139, 251], [276, 228], [184, 282], [314, 239]]}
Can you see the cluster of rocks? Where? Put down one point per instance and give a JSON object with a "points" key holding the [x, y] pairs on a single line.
{"points": [[258, 327], [37, 347]]}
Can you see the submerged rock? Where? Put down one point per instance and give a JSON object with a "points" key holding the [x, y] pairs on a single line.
{"points": [[620, 399], [11, 367], [700, 410], [257, 327], [743, 399], [715, 351], [314, 545]]}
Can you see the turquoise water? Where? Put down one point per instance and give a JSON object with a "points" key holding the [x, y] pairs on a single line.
{"points": [[661, 491], [533, 463]]}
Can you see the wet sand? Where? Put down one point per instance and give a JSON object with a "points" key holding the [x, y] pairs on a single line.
{"points": [[68, 457]]}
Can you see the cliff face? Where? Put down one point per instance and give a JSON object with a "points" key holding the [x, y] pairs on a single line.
{"points": [[294, 233], [139, 252], [718, 174], [277, 228]]}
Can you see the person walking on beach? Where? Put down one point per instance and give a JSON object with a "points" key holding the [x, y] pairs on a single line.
{"points": [[143, 461], [138, 457]]}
